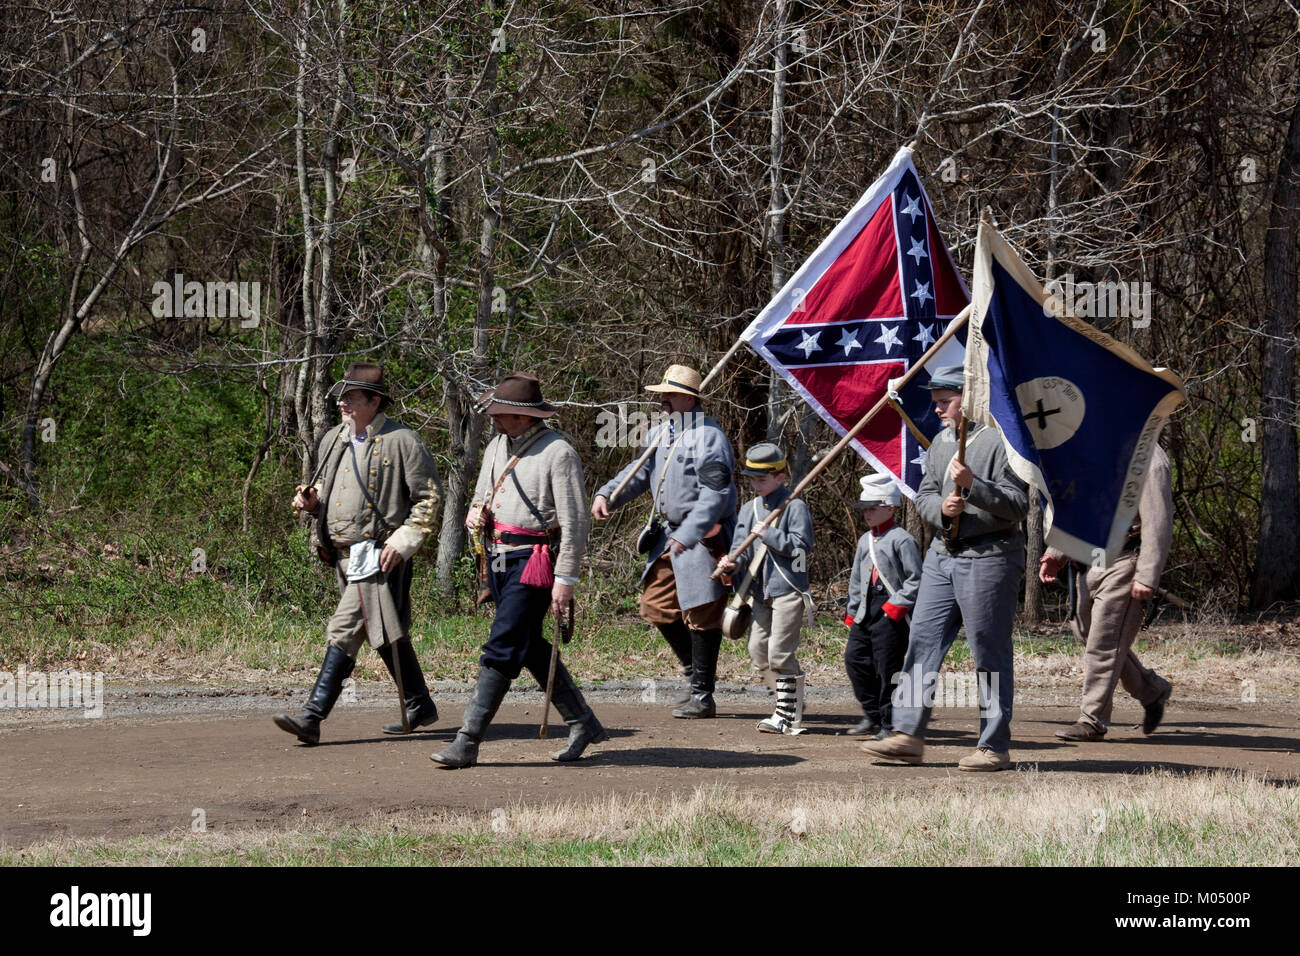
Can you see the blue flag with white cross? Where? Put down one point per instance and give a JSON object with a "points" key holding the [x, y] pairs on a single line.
{"points": [[1079, 412]]}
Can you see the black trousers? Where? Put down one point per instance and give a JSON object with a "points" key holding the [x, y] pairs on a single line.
{"points": [[873, 657], [517, 639]]}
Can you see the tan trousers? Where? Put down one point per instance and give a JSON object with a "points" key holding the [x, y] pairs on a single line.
{"points": [[346, 629], [659, 601], [1107, 621], [774, 634]]}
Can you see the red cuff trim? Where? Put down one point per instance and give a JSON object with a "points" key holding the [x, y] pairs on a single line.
{"points": [[895, 612], [848, 620]]}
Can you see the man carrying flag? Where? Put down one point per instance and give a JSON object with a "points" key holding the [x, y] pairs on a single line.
{"points": [[1080, 414], [971, 576], [865, 306]]}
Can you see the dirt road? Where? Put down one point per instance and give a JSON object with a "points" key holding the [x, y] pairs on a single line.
{"points": [[160, 755]]}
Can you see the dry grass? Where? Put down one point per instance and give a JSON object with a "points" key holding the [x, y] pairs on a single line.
{"points": [[1025, 818]]}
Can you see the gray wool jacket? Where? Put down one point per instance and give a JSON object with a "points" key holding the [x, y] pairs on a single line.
{"points": [[693, 491], [996, 504], [899, 558], [789, 545]]}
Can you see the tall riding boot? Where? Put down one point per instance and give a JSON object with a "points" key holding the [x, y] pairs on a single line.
{"points": [[488, 694], [678, 636], [704, 654], [788, 717], [420, 708], [584, 728], [329, 684]]}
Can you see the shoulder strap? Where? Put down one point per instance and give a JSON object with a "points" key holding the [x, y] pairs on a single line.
{"points": [[510, 466], [871, 545]]}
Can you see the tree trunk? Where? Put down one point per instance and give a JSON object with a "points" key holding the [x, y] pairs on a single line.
{"points": [[465, 423], [1276, 574]]}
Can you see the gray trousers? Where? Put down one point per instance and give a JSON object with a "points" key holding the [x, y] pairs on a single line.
{"points": [[980, 593]]}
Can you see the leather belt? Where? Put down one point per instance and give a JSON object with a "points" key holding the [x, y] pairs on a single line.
{"points": [[552, 537]]}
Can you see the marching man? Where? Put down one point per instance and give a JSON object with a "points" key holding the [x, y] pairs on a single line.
{"points": [[374, 505], [693, 513], [529, 506], [1110, 612], [972, 579]]}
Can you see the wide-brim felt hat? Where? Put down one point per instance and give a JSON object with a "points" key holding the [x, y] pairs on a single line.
{"points": [[361, 375], [681, 379], [518, 394], [764, 458]]}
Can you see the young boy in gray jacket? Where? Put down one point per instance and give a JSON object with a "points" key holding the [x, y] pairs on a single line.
{"points": [[882, 590], [780, 585]]}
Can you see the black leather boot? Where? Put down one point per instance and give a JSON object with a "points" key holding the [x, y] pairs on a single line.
{"points": [[329, 684], [488, 694], [678, 636], [421, 711], [704, 653], [584, 728]]}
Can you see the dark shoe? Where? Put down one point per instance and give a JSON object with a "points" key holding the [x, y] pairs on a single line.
{"points": [[460, 753], [697, 707], [1154, 712], [336, 668], [306, 727], [424, 714], [421, 711], [865, 727], [584, 728], [882, 733], [704, 665], [1081, 731], [488, 694]]}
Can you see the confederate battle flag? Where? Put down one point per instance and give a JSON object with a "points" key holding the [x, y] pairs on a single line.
{"points": [[876, 294]]}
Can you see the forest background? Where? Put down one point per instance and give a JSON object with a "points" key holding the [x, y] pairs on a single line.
{"points": [[588, 191]]}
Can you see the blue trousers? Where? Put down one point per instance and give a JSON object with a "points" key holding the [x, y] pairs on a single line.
{"points": [[517, 638], [980, 593]]}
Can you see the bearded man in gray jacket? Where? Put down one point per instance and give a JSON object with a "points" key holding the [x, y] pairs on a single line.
{"points": [[693, 514], [974, 580]]}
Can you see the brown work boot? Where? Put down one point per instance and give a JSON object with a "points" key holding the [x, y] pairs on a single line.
{"points": [[984, 759], [900, 748], [1080, 731]]}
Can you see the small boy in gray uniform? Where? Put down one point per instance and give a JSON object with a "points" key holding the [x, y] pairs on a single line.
{"points": [[780, 585], [882, 589]]}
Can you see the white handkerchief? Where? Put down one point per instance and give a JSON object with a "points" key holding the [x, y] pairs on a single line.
{"points": [[363, 561]]}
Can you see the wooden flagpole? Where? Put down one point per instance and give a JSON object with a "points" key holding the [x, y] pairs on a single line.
{"points": [[821, 466]]}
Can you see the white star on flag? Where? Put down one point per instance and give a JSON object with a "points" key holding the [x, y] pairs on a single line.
{"points": [[889, 338], [921, 293], [917, 251], [848, 342], [925, 337], [912, 208], [920, 460], [809, 343]]}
